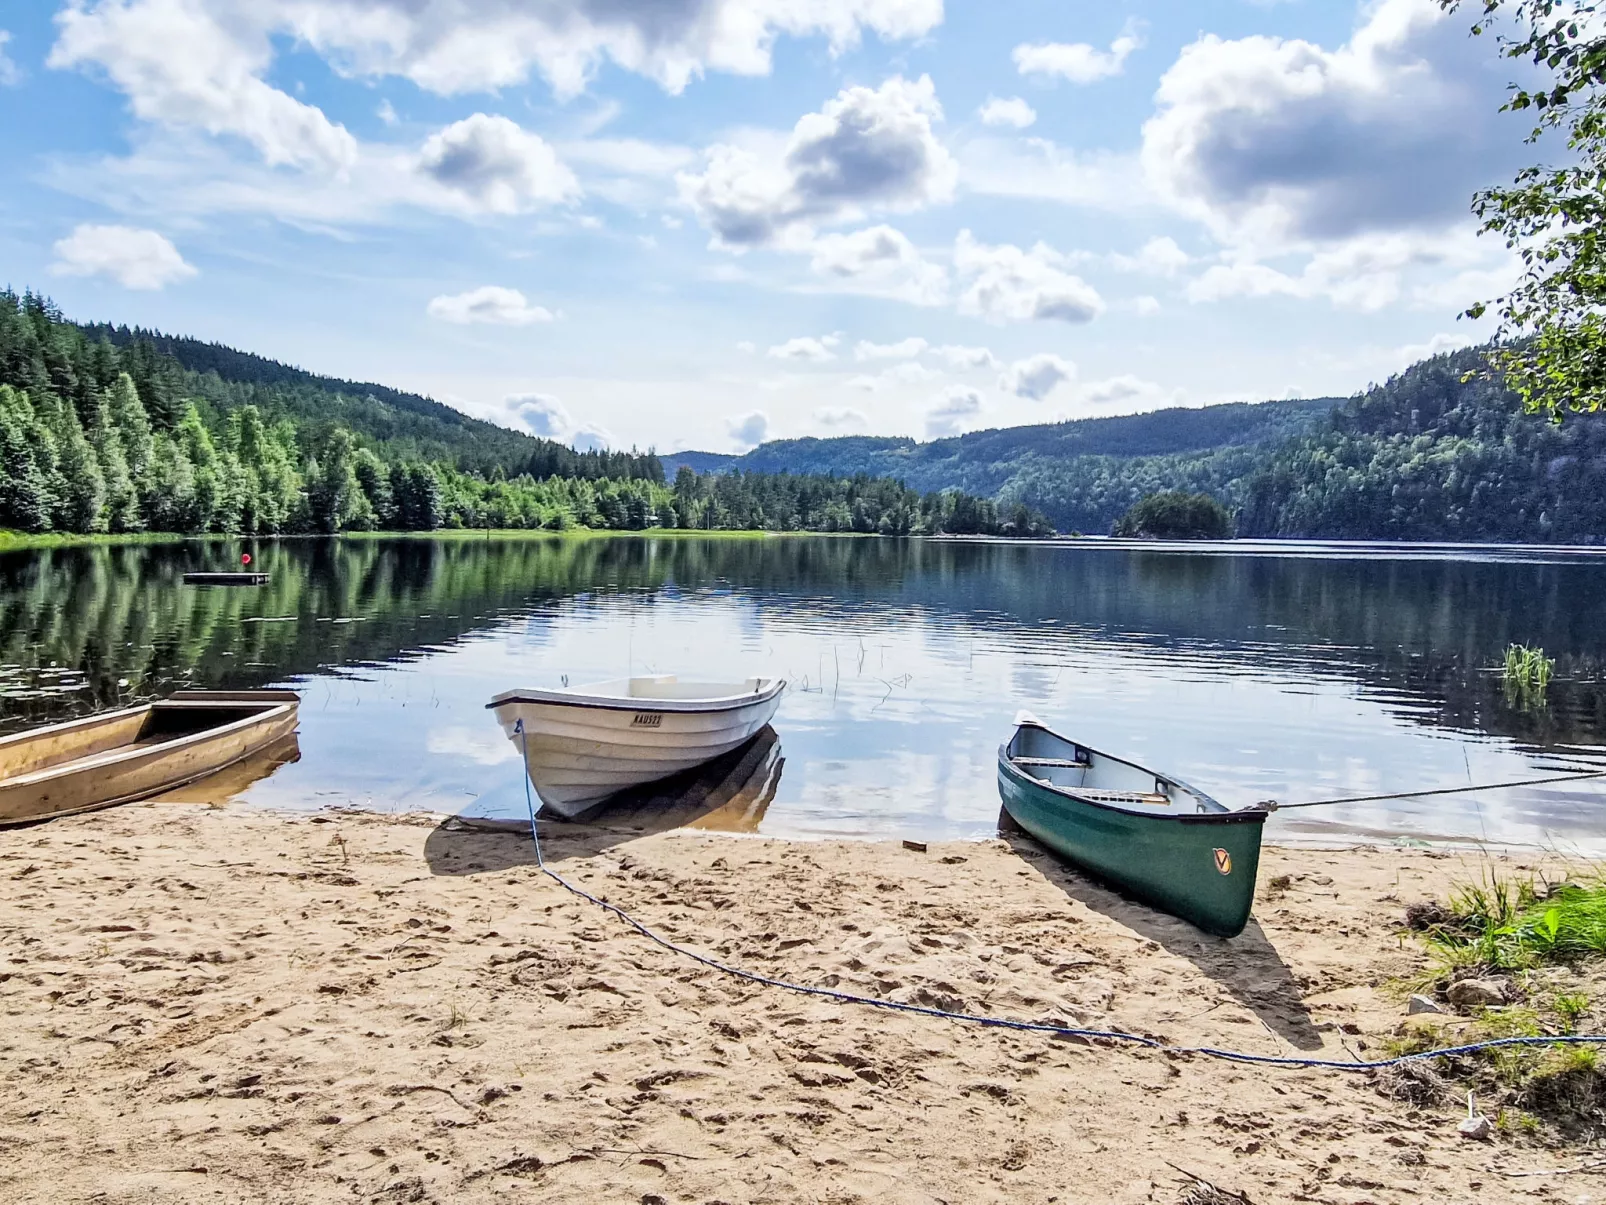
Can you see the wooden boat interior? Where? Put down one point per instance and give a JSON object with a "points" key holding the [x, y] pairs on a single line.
{"points": [[121, 731], [1099, 778]]}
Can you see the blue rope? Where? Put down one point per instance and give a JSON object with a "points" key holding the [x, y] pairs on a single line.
{"points": [[1058, 1031]]}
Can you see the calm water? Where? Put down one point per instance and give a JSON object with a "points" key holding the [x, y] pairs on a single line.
{"points": [[1253, 672]]}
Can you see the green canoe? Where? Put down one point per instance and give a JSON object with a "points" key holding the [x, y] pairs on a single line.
{"points": [[1153, 837]]}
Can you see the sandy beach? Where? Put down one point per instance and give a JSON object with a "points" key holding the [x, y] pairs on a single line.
{"points": [[208, 1003]]}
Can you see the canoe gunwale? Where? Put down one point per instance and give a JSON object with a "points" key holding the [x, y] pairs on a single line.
{"points": [[1256, 814]]}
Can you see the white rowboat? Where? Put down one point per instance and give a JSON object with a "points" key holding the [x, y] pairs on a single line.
{"points": [[585, 744]]}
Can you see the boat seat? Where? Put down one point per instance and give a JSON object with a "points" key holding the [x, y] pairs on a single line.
{"points": [[1147, 798], [1063, 762]]}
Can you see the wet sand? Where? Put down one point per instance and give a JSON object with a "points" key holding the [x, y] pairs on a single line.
{"points": [[219, 1004]]}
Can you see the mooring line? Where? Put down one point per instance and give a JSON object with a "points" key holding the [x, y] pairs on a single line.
{"points": [[1059, 1031]]}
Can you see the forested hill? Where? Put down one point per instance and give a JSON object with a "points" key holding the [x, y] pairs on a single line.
{"points": [[406, 425]]}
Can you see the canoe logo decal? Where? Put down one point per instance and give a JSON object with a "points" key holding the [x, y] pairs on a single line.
{"points": [[1223, 861], [648, 719]]}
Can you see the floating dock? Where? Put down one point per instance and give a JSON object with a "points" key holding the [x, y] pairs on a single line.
{"points": [[225, 579]]}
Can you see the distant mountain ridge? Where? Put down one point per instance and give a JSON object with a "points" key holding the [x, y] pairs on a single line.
{"points": [[1004, 462]]}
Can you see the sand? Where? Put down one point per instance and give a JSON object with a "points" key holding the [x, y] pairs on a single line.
{"points": [[221, 1004]]}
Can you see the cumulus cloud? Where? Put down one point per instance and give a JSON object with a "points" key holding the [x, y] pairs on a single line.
{"points": [[841, 418], [494, 166], [904, 349], [191, 65], [10, 73], [910, 372], [1122, 390], [205, 62], [488, 304], [965, 358], [1006, 283], [1078, 62], [806, 347], [866, 148], [1037, 376], [1160, 256], [879, 261], [135, 259], [1274, 141], [749, 430], [1007, 111], [540, 414], [591, 438], [953, 411]]}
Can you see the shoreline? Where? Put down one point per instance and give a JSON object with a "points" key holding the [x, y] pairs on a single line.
{"points": [[349, 1006]]}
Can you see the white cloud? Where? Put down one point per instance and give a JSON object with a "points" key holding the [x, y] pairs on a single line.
{"points": [[1077, 61], [749, 430], [10, 73], [205, 62], [135, 259], [841, 418], [1145, 306], [1126, 390], [1007, 111], [1006, 283], [806, 347], [494, 166], [387, 112], [1040, 170], [591, 438], [867, 148], [880, 262], [1037, 376], [541, 414], [1366, 273], [746, 346], [1277, 142], [181, 64], [489, 304], [904, 349], [965, 358], [952, 412], [910, 372], [1160, 256]]}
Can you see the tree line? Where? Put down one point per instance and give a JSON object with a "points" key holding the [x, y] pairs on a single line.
{"points": [[101, 430]]}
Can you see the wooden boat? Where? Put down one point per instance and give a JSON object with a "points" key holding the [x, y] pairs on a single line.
{"points": [[583, 745], [225, 579], [1150, 835], [121, 756]]}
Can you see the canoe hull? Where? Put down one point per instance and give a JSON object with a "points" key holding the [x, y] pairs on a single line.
{"points": [[1198, 867], [579, 754], [124, 756]]}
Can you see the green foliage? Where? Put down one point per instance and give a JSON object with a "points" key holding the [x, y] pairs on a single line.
{"points": [[1553, 216], [1174, 515], [107, 429]]}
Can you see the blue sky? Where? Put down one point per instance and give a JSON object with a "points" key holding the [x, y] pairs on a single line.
{"points": [[702, 223]]}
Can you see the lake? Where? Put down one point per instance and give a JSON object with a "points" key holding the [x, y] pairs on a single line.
{"points": [[1254, 671]]}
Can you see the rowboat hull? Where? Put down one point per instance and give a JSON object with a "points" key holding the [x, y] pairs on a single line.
{"points": [[584, 746], [1199, 865], [123, 756]]}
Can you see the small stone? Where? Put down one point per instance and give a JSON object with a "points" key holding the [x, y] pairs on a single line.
{"points": [[1475, 993], [1422, 1004], [1478, 1128]]}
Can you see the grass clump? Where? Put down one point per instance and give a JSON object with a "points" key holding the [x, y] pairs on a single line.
{"points": [[1506, 924], [1526, 674]]}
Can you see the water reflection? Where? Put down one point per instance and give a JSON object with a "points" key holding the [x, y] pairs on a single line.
{"points": [[1319, 671]]}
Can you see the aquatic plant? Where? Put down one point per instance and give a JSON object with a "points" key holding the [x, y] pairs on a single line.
{"points": [[1526, 674]]}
